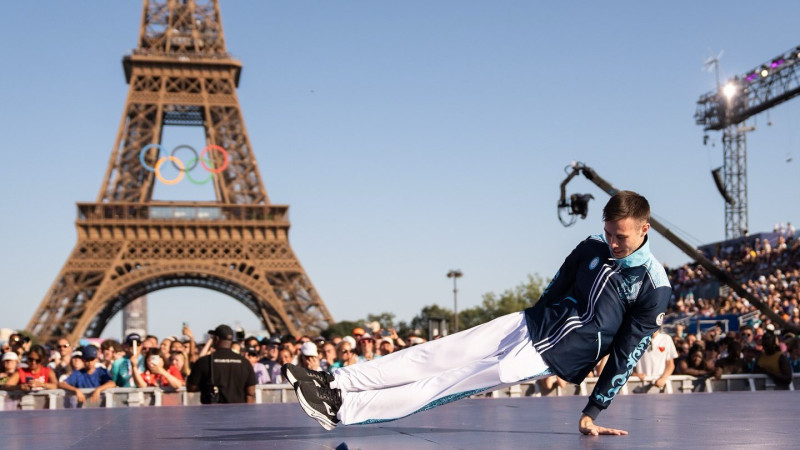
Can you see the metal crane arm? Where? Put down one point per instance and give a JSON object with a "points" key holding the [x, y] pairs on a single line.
{"points": [[724, 277]]}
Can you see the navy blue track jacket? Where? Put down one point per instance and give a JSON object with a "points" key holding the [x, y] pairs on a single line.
{"points": [[598, 305]]}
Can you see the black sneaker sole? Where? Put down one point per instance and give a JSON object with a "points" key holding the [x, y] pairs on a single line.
{"points": [[287, 374], [312, 412]]}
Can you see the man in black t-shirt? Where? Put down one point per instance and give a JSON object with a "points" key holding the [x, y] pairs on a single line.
{"points": [[233, 375]]}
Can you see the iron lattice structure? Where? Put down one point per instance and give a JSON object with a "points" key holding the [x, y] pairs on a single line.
{"points": [[759, 89], [129, 245]]}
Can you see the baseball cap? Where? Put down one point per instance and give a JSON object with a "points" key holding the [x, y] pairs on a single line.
{"points": [[77, 354], [366, 337], [10, 356], [271, 341], [129, 339], [358, 331], [223, 332], [350, 340], [89, 352], [309, 349]]}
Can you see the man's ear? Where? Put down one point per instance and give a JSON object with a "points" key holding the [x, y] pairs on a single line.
{"points": [[645, 228]]}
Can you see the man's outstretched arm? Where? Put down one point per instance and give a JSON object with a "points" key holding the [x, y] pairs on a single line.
{"points": [[630, 342]]}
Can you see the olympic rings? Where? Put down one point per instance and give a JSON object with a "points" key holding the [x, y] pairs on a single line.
{"points": [[204, 160], [174, 161]]}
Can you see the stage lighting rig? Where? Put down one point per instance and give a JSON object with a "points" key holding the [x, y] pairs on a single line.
{"points": [[732, 103], [757, 90], [578, 205]]}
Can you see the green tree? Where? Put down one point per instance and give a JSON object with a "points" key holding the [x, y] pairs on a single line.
{"points": [[512, 300], [341, 328], [386, 319], [420, 321]]}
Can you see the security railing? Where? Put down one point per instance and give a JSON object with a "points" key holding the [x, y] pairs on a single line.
{"points": [[283, 393]]}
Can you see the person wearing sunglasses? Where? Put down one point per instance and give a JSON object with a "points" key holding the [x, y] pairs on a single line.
{"points": [[37, 375], [62, 367], [345, 355]]}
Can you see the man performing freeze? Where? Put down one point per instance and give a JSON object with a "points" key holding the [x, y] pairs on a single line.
{"points": [[607, 298]]}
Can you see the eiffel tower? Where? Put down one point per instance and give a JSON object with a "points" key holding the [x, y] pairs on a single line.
{"points": [[130, 245]]}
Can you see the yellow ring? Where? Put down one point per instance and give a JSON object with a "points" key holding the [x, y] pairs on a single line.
{"points": [[175, 160]]}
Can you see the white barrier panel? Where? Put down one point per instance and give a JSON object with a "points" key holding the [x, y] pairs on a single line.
{"points": [[283, 393]]}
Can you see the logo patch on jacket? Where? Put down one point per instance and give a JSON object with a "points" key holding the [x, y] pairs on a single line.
{"points": [[629, 288], [594, 263]]}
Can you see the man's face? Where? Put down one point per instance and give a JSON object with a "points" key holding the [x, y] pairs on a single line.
{"points": [[624, 236], [329, 351], [285, 356], [9, 366], [90, 363], [108, 354], [147, 345], [64, 349]]}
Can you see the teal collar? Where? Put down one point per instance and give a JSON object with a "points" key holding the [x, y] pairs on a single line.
{"points": [[637, 258]]}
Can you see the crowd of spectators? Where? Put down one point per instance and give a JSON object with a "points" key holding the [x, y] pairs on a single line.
{"points": [[751, 350], [768, 266], [146, 361]]}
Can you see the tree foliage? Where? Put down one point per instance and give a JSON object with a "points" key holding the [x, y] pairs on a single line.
{"points": [[512, 300]]}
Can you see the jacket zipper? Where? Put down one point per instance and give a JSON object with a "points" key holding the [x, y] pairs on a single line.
{"points": [[598, 345]]}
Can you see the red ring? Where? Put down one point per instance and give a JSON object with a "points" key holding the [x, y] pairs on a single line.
{"points": [[224, 156]]}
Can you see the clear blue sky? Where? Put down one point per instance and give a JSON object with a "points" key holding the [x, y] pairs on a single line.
{"points": [[407, 137]]}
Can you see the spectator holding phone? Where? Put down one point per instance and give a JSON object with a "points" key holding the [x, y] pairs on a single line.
{"points": [[156, 375], [91, 376], [37, 375], [260, 370]]}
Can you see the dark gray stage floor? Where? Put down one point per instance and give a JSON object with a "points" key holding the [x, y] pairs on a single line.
{"points": [[729, 420]]}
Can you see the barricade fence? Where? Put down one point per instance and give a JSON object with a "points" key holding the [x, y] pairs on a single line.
{"points": [[283, 393]]}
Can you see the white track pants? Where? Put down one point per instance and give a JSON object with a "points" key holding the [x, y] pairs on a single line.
{"points": [[495, 354]]}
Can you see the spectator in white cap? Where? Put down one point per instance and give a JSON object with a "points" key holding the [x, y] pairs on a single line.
{"points": [[345, 355], [350, 340], [10, 363], [309, 356], [366, 347]]}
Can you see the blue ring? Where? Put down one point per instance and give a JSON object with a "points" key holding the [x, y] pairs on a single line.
{"points": [[141, 156]]}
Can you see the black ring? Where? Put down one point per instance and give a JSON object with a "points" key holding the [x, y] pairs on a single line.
{"points": [[186, 169]]}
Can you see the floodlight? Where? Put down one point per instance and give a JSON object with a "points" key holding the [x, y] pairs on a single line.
{"points": [[729, 90]]}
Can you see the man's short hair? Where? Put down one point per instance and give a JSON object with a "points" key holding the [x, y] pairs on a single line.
{"points": [[626, 204]]}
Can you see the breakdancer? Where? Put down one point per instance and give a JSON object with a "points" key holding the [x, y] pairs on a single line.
{"points": [[607, 298]]}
